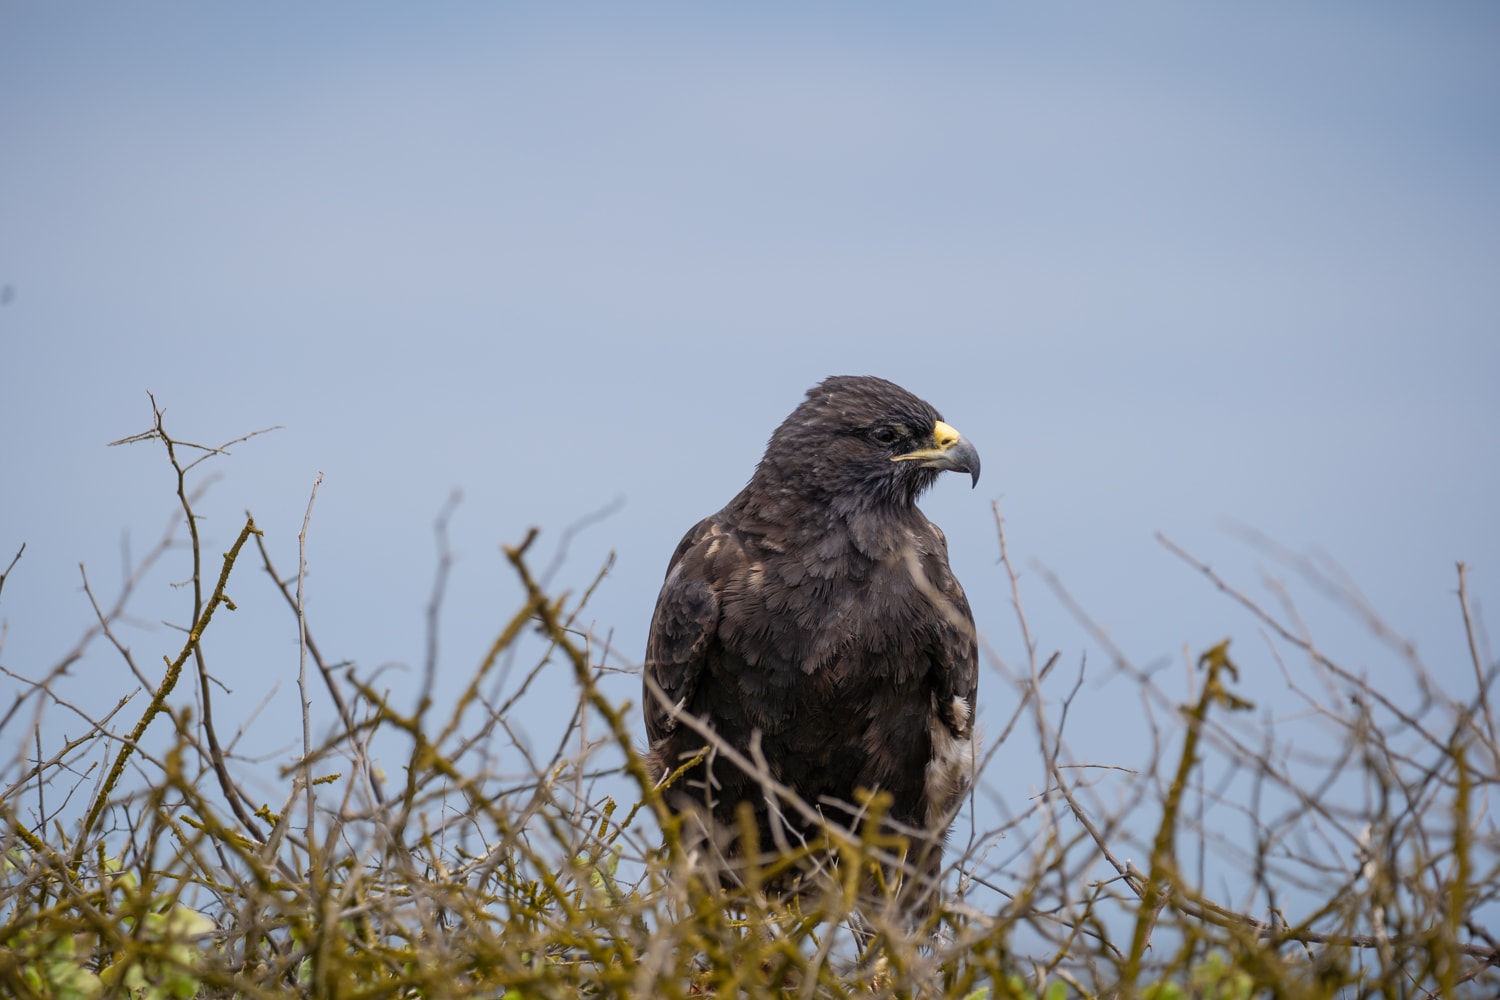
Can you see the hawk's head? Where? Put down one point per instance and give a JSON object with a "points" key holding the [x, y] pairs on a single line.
{"points": [[860, 442]]}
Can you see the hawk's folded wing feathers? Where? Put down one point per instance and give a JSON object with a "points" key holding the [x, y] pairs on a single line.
{"points": [[685, 622]]}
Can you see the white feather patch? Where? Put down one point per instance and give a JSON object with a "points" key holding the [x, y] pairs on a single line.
{"points": [[950, 772]]}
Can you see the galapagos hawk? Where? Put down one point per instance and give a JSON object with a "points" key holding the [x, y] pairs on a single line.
{"points": [[814, 625]]}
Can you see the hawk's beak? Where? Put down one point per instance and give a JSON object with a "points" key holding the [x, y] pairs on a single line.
{"points": [[950, 452]]}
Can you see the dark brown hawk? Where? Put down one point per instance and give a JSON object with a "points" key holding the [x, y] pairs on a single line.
{"points": [[814, 624]]}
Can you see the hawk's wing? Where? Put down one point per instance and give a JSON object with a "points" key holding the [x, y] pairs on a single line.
{"points": [[957, 673], [685, 622]]}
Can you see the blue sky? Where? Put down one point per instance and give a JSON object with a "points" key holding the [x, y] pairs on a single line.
{"points": [[1172, 267]]}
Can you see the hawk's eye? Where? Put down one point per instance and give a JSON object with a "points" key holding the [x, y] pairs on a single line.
{"points": [[884, 435]]}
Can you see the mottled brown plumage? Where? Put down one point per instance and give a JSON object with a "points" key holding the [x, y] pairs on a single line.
{"points": [[817, 610]]}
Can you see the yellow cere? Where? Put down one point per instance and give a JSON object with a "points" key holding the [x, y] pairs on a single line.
{"points": [[943, 435]]}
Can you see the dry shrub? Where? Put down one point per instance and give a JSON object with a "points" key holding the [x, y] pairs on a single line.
{"points": [[1367, 869]]}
